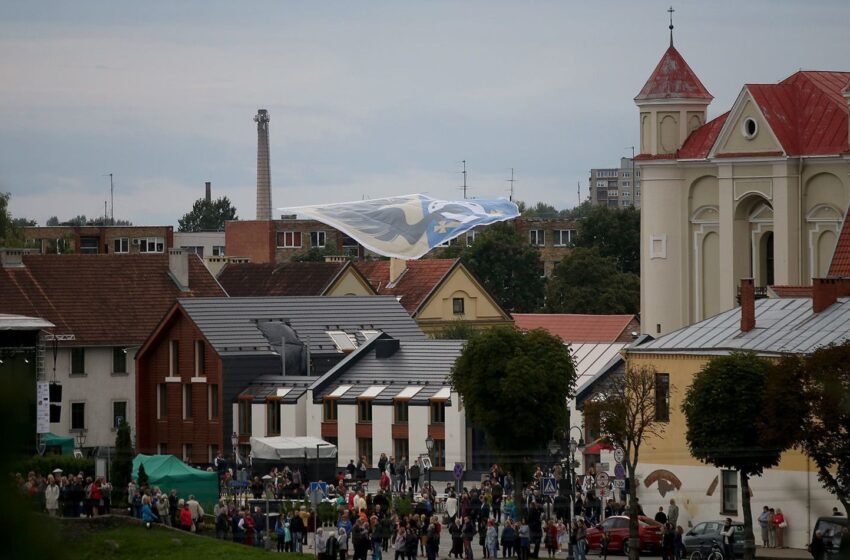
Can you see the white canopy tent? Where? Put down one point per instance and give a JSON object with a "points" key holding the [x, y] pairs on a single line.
{"points": [[293, 448]]}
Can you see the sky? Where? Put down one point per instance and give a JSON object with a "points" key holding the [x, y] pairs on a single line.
{"points": [[367, 99]]}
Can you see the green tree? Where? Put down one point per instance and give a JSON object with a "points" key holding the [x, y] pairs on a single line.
{"points": [[10, 228], [728, 426], [52, 221], [143, 477], [122, 465], [616, 233], [628, 415], [508, 267], [457, 330], [208, 215], [541, 210], [509, 381], [588, 282]]}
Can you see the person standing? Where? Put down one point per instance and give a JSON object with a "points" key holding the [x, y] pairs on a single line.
{"points": [[781, 524], [414, 476], [728, 535], [763, 521], [661, 517], [296, 527], [51, 496], [673, 513], [771, 528], [491, 540], [679, 543]]}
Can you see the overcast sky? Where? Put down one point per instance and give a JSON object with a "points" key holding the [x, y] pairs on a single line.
{"points": [[366, 98]]}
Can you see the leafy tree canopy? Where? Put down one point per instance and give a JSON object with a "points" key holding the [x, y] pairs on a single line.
{"points": [[616, 233], [458, 330], [508, 267], [122, 464], [10, 228], [207, 215], [588, 282]]}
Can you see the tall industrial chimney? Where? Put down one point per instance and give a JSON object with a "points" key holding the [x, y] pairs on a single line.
{"points": [[264, 180], [208, 194]]}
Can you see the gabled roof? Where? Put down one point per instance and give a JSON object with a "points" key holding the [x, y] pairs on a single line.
{"points": [[100, 299], [279, 279], [577, 328], [231, 325], [782, 326], [425, 364], [840, 264], [673, 79], [701, 140], [414, 285]]}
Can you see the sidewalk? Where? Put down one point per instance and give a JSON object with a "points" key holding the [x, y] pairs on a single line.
{"points": [[782, 554]]}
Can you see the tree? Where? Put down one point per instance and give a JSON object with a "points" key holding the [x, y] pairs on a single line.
{"points": [[616, 233], [122, 465], [52, 221], [629, 415], [541, 210], [508, 267], [143, 477], [457, 330], [728, 426], [588, 282], [509, 381], [208, 215], [10, 228], [826, 423]]}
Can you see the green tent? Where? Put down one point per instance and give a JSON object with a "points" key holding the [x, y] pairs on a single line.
{"points": [[65, 444], [168, 472]]}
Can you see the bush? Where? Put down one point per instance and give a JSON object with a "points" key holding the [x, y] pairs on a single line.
{"points": [[48, 463]]}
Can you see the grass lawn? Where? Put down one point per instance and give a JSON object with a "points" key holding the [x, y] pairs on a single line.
{"points": [[115, 538]]}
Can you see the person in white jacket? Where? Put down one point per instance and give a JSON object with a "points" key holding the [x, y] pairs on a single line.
{"points": [[51, 496]]}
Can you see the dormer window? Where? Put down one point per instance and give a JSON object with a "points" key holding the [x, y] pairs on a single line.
{"points": [[344, 342]]}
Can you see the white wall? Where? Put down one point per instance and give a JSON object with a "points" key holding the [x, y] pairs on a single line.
{"points": [[205, 239], [312, 416], [382, 425], [98, 389], [455, 433], [418, 417], [301, 416], [347, 448], [258, 420]]}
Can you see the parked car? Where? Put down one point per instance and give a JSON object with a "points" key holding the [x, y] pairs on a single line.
{"points": [[836, 533], [617, 526], [706, 535]]}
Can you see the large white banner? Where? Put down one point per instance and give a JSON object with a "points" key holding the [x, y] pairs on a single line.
{"points": [[42, 415]]}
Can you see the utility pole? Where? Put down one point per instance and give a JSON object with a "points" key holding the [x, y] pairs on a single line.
{"points": [[464, 179], [111, 200], [578, 184], [511, 181]]}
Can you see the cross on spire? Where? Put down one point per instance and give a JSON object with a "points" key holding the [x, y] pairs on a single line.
{"points": [[670, 10]]}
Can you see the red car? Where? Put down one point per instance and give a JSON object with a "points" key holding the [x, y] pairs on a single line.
{"points": [[617, 527]]}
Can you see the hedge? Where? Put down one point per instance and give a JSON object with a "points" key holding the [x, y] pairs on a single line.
{"points": [[48, 463]]}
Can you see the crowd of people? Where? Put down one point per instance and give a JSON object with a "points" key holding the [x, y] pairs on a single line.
{"points": [[773, 524], [66, 495]]}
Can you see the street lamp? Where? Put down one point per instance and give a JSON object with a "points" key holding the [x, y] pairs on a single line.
{"points": [[81, 438], [234, 441], [429, 445], [574, 446]]}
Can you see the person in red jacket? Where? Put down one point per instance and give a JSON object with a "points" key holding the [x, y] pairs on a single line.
{"points": [[96, 497], [185, 516]]}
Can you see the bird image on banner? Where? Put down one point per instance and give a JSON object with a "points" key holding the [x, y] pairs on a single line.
{"points": [[407, 227]]}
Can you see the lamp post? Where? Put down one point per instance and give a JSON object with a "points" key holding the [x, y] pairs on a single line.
{"points": [[429, 445], [234, 441], [81, 438], [574, 446]]}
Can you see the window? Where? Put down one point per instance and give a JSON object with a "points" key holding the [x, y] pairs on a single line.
{"points": [[344, 342], [400, 448], [151, 244], [273, 418], [470, 237], [78, 361], [364, 410], [318, 238], [199, 358], [662, 397], [457, 306], [196, 249], [289, 239], [438, 455], [187, 401], [245, 416], [364, 447], [438, 412], [330, 410], [749, 128], [174, 359], [187, 452], [119, 413], [89, 245], [730, 492], [119, 360], [213, 401], [213, 451], [537, 237], [121, 245], [78, 416], [400, 412], [161, 401], [564, 237], [162, 448], [626, 183], [218, 250]]}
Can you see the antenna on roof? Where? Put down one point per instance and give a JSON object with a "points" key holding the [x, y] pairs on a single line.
{"points": [[464, 179], [670, 10], [511, 181]]}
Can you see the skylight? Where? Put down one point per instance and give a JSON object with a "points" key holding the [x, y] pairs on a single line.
{"points": [[344, 342]]}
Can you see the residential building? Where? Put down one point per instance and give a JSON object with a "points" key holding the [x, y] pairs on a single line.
{"points": [[436, 292], [270, 241], [577, 328], [97, 240], [103, 308], [206, 351], [553, 237], [338, 277], [208, 245], [616, 186], [757, 192]]}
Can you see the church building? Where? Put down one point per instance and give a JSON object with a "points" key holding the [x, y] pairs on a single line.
{"points": [[758, 192]]}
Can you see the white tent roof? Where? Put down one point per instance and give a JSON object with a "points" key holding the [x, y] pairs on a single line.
{"points": [[280, 447]]}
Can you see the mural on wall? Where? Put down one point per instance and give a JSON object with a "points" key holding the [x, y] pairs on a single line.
{"points": [[667, 481]]}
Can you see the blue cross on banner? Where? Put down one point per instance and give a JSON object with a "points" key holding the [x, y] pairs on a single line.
{"points": [[549, 486]]}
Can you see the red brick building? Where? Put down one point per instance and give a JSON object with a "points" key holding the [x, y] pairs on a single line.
{"points": [[98, 240]]}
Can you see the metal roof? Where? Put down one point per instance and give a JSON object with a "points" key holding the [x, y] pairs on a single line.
{"points": [[230, 324], [288, 388], [23, 323], [783, 326], [592, 359]]}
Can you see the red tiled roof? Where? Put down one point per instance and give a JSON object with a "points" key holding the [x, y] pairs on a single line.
{"points": [[792, 291], [576, 328], [646, 157], [673, 79], [840, 265], [415, 283], [100, 299], [278, 279], [700, 141]]}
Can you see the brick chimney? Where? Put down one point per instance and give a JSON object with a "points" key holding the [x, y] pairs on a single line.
{"points": [[178, 266], [824, 293], [397, 268], [264, 181], [208, 193], [748, 305]]}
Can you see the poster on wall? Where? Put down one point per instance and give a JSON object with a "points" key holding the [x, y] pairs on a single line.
{"points": [[42, 397]]}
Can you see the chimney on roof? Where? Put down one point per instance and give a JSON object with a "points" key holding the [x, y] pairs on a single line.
{"points": [[824, 293], [264, 181], [178, 266], [12, 258], [748, 305], [397, 268], [386, 347], [208, 194]]}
